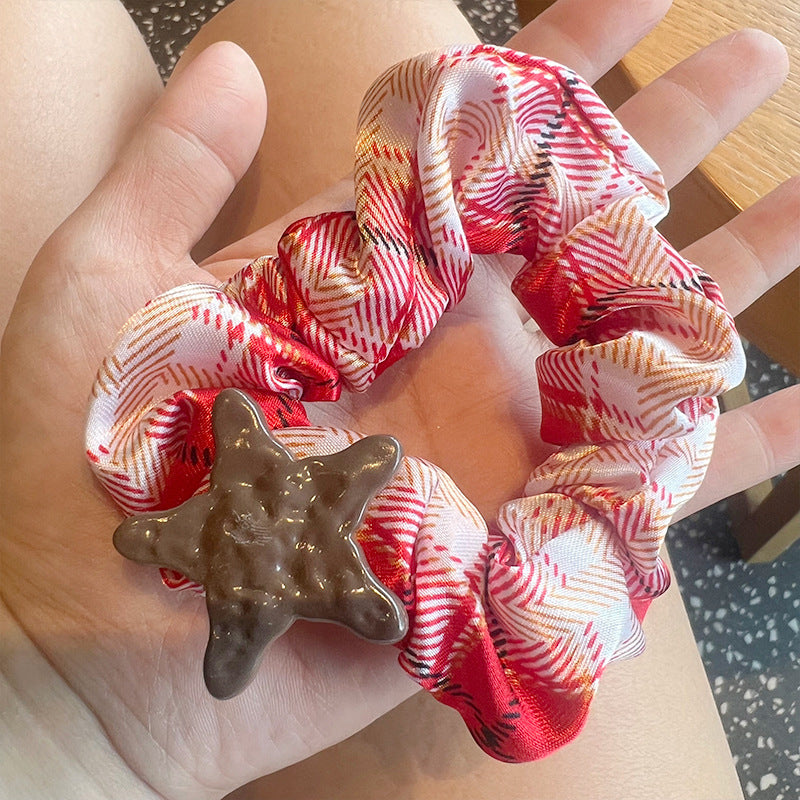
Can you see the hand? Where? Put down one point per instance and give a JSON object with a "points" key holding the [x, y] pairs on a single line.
{"points": [[131, 651]]}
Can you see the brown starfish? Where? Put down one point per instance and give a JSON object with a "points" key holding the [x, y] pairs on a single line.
{"points": [[272, 541]]}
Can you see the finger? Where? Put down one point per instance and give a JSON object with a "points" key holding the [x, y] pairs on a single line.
{"points": [[183, 162], [754, 443], [131, 238], [683, 114], [755, 250], [589, 36]]}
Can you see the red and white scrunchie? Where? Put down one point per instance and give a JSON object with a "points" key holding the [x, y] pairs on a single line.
{"points": [[470, 150]]}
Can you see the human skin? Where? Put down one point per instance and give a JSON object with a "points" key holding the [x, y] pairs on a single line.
{"points": [[105, 645]]}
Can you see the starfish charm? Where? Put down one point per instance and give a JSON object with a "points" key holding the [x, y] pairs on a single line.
{"points": [[272, 541]]}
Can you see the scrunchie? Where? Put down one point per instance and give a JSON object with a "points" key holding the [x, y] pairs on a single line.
{"points": [[470, 150]]}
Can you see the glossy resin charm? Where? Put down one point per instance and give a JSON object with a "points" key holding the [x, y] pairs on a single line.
{"points": [[272, 541]]}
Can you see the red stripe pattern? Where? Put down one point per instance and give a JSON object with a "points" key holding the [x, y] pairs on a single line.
{"points": [[470, 150]]}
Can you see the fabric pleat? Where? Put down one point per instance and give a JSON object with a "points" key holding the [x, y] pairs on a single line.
{"points": [[466, 151]]}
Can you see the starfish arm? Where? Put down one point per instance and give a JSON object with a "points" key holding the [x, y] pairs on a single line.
{"points": [[372, 612], [342, 588], [244, 443], [239, 630], [168, 539], [364, 467]]}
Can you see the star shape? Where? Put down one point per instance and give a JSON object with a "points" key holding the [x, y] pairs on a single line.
{"points": [[272, 541]]}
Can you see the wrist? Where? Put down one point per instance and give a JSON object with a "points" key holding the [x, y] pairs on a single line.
{"points": [[52, 744]]}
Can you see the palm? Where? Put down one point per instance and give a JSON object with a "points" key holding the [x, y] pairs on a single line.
{"points": [[467, 401], [126, 657], [146, 654]]}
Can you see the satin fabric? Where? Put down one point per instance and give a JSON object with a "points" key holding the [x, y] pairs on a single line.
{"points": [[470, 150]]}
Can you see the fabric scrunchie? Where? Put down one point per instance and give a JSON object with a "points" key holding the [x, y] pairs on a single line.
{"points": [[470, 150]]}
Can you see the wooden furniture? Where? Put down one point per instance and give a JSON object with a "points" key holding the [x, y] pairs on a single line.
{"points": [[755, 158]]}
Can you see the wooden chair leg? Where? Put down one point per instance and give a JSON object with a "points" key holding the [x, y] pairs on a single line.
{"points": [[765, 528], [528, 9], [766, 517]]}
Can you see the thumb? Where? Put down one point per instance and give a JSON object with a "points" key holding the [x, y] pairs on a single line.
{"points": [[131, 237], [183, 163], [133, 234]]}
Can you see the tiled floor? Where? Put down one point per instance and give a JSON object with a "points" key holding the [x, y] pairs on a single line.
{"points": [[746, 617]]}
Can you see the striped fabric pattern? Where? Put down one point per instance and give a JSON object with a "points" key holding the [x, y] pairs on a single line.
{"points": [[465, 151]]}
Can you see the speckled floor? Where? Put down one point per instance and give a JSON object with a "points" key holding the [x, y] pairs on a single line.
{"points": [[746, 617]]}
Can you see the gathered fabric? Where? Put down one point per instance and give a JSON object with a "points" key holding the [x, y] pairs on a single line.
{"points": [[465, 151]]}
